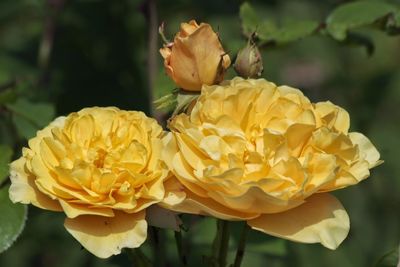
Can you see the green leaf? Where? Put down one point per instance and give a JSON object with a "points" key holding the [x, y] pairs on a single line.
{"points": [[12, 220], [390, 259], [164, 92], [30, 117], [361, 40], [356, 14], [397, 18], [5, 158], [250, 19], [163, 85], [7, 96], [393, 24], [269, 32], [167, 102], [184, 101], [288, 32]]}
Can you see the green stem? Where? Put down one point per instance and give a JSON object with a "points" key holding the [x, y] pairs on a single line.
{"points": [[241, 246], [158, 246], [152, 51], [180, 248], [220, 245]]}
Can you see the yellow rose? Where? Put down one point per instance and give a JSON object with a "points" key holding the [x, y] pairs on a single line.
{"points": [[196, 57], [102, 167], [253, 151]]}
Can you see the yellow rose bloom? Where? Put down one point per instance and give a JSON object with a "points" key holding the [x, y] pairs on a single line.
{"points": [[196, 57], [253, 151], [102, 168]]}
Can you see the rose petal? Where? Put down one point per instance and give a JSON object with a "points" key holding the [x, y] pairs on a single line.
{"points": [[321, 219], [194, 204], [367, 149], [24, 190], [106, 236], [73, 210]]}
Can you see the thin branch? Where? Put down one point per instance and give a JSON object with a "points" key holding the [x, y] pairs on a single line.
{"points": [[223, 249], [241, 246], [220, 244], [10, 84], [180, 248], [152, 50], [46, 44]]}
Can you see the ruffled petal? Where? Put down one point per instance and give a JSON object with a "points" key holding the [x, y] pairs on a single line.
{"points": [[106, 236], [321, 219], [180, 199], [73, 210], [23, 188], [367, 149]]}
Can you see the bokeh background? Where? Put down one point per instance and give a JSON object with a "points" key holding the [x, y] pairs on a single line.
{"points": [[70, 54]]}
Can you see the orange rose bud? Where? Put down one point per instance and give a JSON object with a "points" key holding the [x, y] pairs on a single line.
{"points": [[196, 57]]}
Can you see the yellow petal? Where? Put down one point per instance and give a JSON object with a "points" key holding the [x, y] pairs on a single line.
{"points": [[188, 28], [255, 201], [23, 188], [367, 149], [194, 204], [106, 236], [34, 143], [333, 116], [174, 192], [73, 210], [321, 219], [165, 53]]}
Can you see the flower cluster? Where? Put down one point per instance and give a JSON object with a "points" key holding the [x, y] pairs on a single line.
{"points": [[245, 150]]}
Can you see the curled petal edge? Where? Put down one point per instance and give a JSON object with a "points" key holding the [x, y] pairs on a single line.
{"points": [[321, 219], [107, 236]]}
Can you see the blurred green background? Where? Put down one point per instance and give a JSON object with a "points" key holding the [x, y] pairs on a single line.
{"points": [[58, 56]]}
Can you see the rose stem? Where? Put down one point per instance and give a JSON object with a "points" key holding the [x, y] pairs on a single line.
{"points": [[139, 258], [241, 246], [180, 248], [158, 246], [221, 243], [152, 51]]}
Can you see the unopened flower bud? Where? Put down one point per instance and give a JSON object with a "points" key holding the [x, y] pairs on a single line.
{"points": [[195, 57], [248, 62]]}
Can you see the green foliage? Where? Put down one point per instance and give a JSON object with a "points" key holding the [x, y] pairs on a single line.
{"points": [[269, 32], [289, 31], [339, 23], [5, 158], [7, 96], [164, 92], [12, 220], [391, 259], [356, 14], [30, 117], [250, 19]]}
